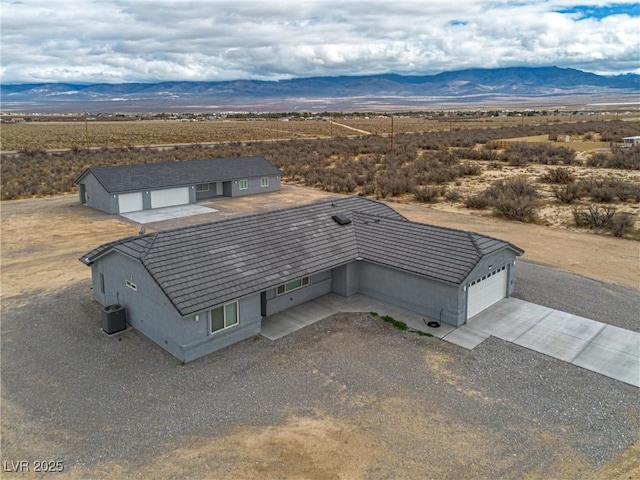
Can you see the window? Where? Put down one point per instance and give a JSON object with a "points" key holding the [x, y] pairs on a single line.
{"points": [[292, 285], [202, 187], [264, 182], [244, 184], [102, 283], [224, 316], [131, 285]]}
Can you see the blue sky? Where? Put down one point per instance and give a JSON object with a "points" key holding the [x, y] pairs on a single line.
{"points": [[115, 41], [602, 11]]}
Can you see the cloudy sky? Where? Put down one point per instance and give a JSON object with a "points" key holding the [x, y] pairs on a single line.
{"points": [[115, 41]]}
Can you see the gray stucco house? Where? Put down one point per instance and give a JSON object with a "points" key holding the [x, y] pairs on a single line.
{"points": [[197, 289], [130, 188]]}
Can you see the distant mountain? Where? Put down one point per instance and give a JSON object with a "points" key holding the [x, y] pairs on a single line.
{"points": [[319, 93]]}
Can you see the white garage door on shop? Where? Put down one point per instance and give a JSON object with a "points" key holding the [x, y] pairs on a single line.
{"points": [[169, 197], [129, 202], [485, 291]]}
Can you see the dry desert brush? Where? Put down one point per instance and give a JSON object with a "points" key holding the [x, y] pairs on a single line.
{"points": [[604, 218], [514, 199]]}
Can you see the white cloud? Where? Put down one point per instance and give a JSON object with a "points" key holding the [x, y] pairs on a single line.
{"points": [[139, 40]]}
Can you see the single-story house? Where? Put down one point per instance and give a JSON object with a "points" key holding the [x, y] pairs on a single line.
{"points": [[197, 289], [631, 141], [130, 188]]}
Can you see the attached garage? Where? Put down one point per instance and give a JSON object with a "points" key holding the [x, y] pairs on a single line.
{"points": [[129, 202], [486, 290], [169, 197]]}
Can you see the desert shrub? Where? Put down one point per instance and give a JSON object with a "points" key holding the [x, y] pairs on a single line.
{"points": [[514, 199], [516, 155], [604, 194], [469, 169], [591, 183], [427, 194], [520, 154], [597, 159], [391, 184], [621, 222], [568, 193], [605, 190], [368, 189], [593, 217], [452, 195], [624, 158], [626, 191], [558, 175], [484, 153], [478, 201], [447, 157]]}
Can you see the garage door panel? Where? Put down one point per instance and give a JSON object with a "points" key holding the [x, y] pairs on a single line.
{"points": [[129, 202], [169, 197], [485, 292]]}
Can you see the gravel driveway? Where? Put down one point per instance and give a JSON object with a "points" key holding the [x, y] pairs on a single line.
{"points": [[382, 403]]}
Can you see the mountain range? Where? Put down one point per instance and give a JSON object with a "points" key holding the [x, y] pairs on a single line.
{"points": [[358, 93]]}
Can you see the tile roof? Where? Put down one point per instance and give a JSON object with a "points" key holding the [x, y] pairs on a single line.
{"points": [[202, 266], [124, 178]]}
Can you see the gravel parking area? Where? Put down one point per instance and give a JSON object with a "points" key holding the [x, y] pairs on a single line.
{"points": [[348, 397]]}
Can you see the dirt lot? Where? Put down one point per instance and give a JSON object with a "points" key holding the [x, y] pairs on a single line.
{"points": [[42, 239]]}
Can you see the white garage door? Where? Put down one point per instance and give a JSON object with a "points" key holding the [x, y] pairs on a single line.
{"points": [[169, 197], [486, 291], [129, 202]]}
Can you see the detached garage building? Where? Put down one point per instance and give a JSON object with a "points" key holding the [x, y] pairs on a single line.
{"points": [[130, 188], [197, 289]]}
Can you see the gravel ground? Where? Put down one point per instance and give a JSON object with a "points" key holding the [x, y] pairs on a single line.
{"points": [[578, 295], [431, 409]]}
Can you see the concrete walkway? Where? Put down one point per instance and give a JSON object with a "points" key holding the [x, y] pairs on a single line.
{"points": [[595, 346]]}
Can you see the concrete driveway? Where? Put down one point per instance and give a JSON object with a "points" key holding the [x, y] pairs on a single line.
{"points": [[167, 213], [605, 349], [596, 346]]}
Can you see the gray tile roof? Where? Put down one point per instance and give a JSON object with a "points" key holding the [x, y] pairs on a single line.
{"points": [[125, 178], [442, 253], [202, 266]]}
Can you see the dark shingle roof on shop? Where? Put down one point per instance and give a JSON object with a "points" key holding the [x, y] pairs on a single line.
{"points": [[125, 178]]}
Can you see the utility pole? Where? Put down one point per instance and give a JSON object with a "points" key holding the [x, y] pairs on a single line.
{"points": [[392, 133], [86, 132]]}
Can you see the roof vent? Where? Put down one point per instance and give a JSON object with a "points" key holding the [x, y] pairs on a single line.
{"points": [[341, 219]]}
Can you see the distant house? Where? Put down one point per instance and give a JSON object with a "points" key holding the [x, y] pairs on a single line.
{"points": [[631, 141], [130, 188], [197, 289]]}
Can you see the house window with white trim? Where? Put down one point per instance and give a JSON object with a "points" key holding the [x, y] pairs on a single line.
{"points": [[292, 285], [223, 317], [264, 182], [202, 187], [243, 184]]}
